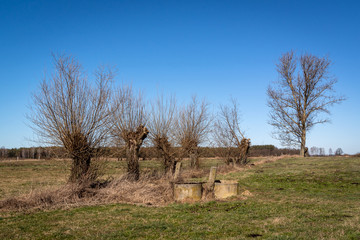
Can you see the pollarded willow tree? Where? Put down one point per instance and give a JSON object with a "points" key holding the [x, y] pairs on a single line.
{"points": [[304, 92], [69, 111], [192, 128], [128, 126], [161, 125], [229, 136]]}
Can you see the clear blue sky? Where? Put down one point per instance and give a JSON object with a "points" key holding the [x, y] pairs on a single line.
{"points": [[215, 49]]}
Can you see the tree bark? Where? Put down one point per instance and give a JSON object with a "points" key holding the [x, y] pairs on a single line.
{"points": [[132, 155], [169, 163], [194, 159], [164, 148], [80, 168], [134, 142], [243, 148], [303, 143]]}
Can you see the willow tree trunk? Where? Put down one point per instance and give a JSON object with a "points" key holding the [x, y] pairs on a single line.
{"points": [[169, 163], [132, 156], [243, 149], [80, 168], [194, 159], [134, 141], [165, 151], [81, 154]]}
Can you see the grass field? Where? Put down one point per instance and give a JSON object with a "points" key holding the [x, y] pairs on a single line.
{"points": [[291, 198], [23, 176]]}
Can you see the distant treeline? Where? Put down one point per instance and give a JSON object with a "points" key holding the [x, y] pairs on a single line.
{"points": [[145, 152]]}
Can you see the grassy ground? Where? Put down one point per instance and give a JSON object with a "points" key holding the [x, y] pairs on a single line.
{"points": [[292, 198]]}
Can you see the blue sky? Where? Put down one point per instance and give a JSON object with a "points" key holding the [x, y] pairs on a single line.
{"points": [[215, 49]]}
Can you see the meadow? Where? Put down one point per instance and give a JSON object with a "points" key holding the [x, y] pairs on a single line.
{"points": [[282, 198]]}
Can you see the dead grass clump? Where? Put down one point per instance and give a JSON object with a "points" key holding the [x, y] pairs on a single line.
{"points": [[153, 188], [45, 199], [157, 191], [194, 173]]}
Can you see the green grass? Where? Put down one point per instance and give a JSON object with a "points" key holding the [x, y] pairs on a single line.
{"points": [[292, 198]]}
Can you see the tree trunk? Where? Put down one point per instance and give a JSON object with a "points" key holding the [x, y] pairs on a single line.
{"points": [[168, 163], [132, 155], [243, 149], [134, 142], [80, 168], [164, 150], [303, 143], [81, 154], [194, 159], [227, 156]]}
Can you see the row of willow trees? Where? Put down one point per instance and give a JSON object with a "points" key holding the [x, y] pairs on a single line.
{"points": [[71, 112]]}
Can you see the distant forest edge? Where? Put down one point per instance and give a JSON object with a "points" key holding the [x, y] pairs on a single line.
{"points": [[146, 153]]}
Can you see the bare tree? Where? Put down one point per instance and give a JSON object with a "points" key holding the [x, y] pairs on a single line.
{"points": [[229, 136], [23, 153], [339, 152], [3, 152], [330, 152], [69, 112], [38, 153], [32, 153], [192, 128], [314, 151], [161, 125], [128, 126], [300, 97]]}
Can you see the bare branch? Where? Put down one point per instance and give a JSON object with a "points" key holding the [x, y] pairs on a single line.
{"points": [[128, 126], [228, 134], [192, 128], [161, 125]]}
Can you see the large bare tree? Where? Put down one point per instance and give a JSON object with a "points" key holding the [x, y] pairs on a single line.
{"points": [[71, 112], [192, 128], [128, 126], [161, 126], [229, 136], [301, 97]]}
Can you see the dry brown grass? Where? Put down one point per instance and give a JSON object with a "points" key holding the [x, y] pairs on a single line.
{"points": [[270, 159], [152, 189], [149, 190]]}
